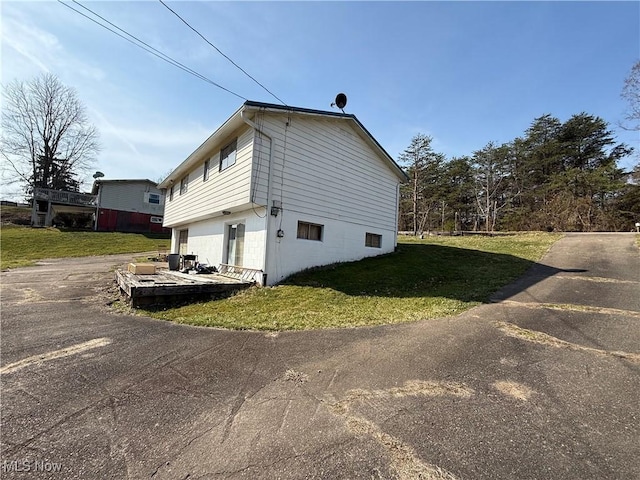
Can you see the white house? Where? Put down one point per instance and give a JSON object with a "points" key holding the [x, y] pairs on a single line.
{"points": [[280, 189]]}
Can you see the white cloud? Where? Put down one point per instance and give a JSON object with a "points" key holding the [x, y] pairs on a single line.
{"points": [[146, 152], [32, 49]]}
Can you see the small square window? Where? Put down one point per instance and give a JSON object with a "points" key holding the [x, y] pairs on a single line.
{"points": [[373, 240], [205, 173], [154, 198], [310, 231], [228, 155], [184, 185]]}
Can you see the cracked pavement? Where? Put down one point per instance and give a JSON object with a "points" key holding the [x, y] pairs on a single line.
{"points": [[541, 383]]}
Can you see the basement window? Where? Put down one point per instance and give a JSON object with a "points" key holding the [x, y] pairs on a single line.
{"points": [[310, 231], [373, 240], [228, 155]]}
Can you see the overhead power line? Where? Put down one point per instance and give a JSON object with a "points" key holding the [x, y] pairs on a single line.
{"points": [[145, 46], [221, 53]]}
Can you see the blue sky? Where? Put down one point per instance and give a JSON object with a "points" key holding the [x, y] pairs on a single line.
{"points": [[465, 73]]}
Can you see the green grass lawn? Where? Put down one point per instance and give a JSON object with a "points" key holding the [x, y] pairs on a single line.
{"points": [[22, 246], [427, 278]]}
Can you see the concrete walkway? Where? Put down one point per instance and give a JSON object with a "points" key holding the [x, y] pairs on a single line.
{"points": [[543, 383]]}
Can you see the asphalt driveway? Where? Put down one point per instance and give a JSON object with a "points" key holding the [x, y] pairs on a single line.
{"points": [[543, 383]]}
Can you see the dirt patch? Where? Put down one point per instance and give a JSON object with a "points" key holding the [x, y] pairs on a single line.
{"points": [[541, 338], [514, 389], [575, 308], [410, 388], [403, 458]]}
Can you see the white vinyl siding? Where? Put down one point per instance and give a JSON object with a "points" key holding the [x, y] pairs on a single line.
{"points": [[223, 191], [329, 171], [332, 177]]}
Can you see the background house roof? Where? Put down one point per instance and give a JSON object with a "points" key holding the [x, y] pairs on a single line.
{"points": [[236, 121], [98, 181]]}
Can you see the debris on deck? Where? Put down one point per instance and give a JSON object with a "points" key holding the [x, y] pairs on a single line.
{"points": [[167, 287]]}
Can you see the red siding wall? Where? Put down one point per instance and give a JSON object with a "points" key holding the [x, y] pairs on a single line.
{"points": [[119, 221]]}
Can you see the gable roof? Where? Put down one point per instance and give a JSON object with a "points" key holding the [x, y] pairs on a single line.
{"points": [[236, 121]]}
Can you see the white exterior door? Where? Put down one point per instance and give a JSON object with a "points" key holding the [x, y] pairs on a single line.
{"points": [[183, 238], [235, 244]]}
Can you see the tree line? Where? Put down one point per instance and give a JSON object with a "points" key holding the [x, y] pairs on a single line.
{"points": [[561, 176]]}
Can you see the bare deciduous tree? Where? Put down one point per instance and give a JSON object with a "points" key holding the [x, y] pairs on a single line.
{"points": [[631, 93], [47, 140]]}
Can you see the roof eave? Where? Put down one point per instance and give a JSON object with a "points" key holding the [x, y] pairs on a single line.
{"points": [[259, 106], [235, 121], [232, 123]]}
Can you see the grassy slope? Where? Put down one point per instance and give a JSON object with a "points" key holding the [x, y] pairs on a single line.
{"points": [[21, 246], [423, 279], [15, 215]]}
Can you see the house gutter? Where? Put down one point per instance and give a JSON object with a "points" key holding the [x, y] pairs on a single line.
{"points": [[261, 131]]}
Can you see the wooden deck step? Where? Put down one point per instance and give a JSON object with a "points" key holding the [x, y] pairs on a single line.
{"points": [[168, 287]]}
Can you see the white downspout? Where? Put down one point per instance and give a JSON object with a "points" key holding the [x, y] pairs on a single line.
{"points": [[261, 131]]}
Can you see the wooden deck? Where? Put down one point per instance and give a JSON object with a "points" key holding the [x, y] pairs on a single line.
{"points": [[168, 287]]}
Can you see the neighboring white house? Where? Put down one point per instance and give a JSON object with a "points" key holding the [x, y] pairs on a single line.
{"points": [[280, 189], [132, 205]]}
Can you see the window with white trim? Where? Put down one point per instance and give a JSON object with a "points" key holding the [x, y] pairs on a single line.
{"points": [[310, 231], [184, 184], [373, 240], [154, 198], [205, 173], [228, 155]]}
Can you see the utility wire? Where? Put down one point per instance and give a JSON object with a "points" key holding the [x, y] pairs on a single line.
{"points": [[221, 53], [144, 46]]}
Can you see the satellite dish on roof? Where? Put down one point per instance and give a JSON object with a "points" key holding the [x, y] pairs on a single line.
{"points": [[341, 101], [98, 175]]}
